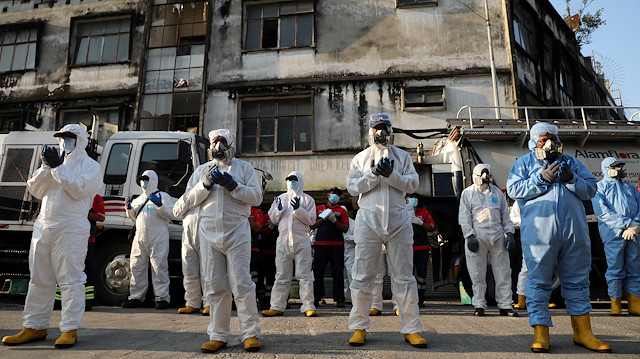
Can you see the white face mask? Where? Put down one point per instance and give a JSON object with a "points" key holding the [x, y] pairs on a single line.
{"points": [[616, 172], [144, 184], [68, 144], [293, 185], [482, 179], [549, 151]]}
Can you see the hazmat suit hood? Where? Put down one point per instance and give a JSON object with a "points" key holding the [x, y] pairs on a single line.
{"points": [[153, 182], [377, 119], [82, 138], [538, 130], [300, 188], [477, 174], [231, 140], [606, 164]]}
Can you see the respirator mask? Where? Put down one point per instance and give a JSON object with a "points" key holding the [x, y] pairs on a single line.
{"points": [[616, 172], [382, 137], [482, 179], [549, 152], [219, 151]]}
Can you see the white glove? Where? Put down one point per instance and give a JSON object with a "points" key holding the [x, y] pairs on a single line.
{"points": [[631, 232], [332, 217], [417, 221]]}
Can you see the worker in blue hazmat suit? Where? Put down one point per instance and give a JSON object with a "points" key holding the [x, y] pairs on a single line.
{"points": [[192, 276], [220, 194], [294, 212], [380, 176], [617, 205], [488, 231], [66, 182], [151, 211], [550, 187]]}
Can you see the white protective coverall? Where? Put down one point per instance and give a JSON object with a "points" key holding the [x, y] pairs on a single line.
{"points": [[59, 240], [293, 246], [484, 213], [192, 275], [383, 219], [224, 236], [349, 256], [151, 242], [378, 300]]}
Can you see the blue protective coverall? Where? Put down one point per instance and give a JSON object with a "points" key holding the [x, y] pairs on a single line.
{"points": [[553, 229], [617, 204]]}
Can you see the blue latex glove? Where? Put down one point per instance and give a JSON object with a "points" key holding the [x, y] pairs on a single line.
{"points": [[50, 156], [509, 242], [295, 203], [224, 179], [208, 179], [473, 244], [277, 199], [127, 202], [156, 199], [384, 167]]}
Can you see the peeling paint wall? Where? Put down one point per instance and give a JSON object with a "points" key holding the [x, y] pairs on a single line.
{"points": [[54, 82]]}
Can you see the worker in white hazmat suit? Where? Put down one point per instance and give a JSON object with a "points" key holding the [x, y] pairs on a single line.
{"points": [[220, 194], [380, 175], [192, 276], [152, 211], [485, 223], [66, 183], [294, 212], [349, 256]]}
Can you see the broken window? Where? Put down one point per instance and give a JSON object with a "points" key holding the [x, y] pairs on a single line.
{"points": [[279, 24], [18, 48], [101, 41], [402, 3], [284, 125], [175, 67], [424, 97]]}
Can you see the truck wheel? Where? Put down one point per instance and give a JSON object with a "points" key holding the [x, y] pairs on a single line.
{"points": [[112, 286]]}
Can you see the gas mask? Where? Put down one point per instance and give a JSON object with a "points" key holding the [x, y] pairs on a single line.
{"points": [[549, 152], [334, 198], [616, 172], [413, 201], [293, 185], [482, 179], [219, 151], [67, 144], [381, 137]]}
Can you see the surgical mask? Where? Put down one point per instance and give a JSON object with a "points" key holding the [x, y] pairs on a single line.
{"points": [[144, 184], [68, 144], [381, 137], [413, 201], [616, 172], [549, 152], [293, 185], [334, 198]]}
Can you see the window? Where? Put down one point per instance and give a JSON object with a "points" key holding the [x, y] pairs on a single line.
{"points": [[424, 97], [175, 67], [101, 41], [109, 121], [547, 61], [18, 49], [118, 163], [163, 159], [11, 121], [522, 32], [401, 3], [276, 125], [279, 25]]}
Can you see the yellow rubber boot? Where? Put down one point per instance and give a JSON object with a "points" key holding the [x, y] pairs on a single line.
{"points": [[633, 304], [188, 310], [415, 340], [206, 310], [540, 339], [251, 344], [357, 339], [310, 313], [616, 307], [522, 302], [212, 346], [583, 336], [373, 312], [67, 339], [26, 335], [271, 313]]}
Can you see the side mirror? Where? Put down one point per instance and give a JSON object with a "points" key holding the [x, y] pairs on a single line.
{"points": [[184, 152]]}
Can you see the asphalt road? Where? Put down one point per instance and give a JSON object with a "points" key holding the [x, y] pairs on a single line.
{"points": [[449, 327]]}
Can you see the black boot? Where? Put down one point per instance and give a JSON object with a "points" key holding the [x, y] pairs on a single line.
{"points": [[508, 313], [479, 312], [132, 303]]}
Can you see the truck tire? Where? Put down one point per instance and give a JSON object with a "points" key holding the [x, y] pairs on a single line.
{"points": [[113, 271]]}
